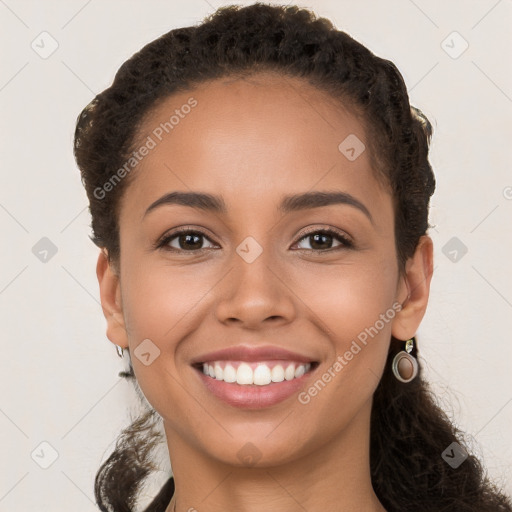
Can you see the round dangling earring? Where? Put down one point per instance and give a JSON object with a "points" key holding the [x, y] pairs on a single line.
{"points": [[405, 366], [120, 350]]}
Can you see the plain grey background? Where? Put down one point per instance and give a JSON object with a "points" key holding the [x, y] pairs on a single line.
{"points": [[59, 383]]}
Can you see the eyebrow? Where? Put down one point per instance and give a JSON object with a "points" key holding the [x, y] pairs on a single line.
{"points": [[289, 203]]}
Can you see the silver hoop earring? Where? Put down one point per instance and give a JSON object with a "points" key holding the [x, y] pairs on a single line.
{"points": [[405, 366], [120, 350]]}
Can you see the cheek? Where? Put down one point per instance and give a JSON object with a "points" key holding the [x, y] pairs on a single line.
{"points": [[159, 300], [357, 304], [348, 299], [164, 305]]}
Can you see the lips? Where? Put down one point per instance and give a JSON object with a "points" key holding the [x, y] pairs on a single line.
{"points": [[253, 377], [252, 354]]}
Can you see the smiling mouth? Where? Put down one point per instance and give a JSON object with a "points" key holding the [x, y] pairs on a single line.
{"points": [[262, 373]]}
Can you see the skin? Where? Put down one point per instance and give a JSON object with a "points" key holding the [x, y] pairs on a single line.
{"points": [[252, 141]]}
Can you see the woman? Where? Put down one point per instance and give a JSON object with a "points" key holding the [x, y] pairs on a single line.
{"points": [[259, 188]]}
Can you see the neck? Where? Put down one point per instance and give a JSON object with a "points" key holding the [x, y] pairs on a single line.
{"points": [[332, 478]]}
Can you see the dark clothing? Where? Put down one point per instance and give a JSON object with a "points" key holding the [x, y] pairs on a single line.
{"points": [[163, 498]]}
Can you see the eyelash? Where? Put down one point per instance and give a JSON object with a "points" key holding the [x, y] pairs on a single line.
{"points": [[164, 241]]}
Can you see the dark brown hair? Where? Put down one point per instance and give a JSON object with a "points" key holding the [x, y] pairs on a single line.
{"points": [[409, 431]]}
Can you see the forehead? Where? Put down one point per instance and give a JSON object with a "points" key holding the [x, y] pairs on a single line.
{"points": [[252, 140]]}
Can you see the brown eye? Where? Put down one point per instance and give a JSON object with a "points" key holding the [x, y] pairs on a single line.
{"points": [[322, 240], [184, 240]]}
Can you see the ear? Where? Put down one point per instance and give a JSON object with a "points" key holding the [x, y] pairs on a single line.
{"points": [[110, 294], [413, 290]]}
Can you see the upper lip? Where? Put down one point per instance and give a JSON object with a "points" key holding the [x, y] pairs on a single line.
{"points": [[252, 354]]}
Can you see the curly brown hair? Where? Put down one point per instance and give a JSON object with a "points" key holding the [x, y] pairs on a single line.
{"points": [[409, 431]]}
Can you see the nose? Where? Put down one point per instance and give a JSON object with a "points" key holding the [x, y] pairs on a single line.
{"points": [[255, 294]]}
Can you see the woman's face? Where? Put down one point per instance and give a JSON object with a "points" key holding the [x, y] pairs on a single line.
{"points": [[257, 274]]}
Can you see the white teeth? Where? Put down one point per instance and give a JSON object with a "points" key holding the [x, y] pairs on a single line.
{"points": [[262, 375], [244, 374], [277, 373], [229, 374], [219, 372], [289, 373], [300, 371]]}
